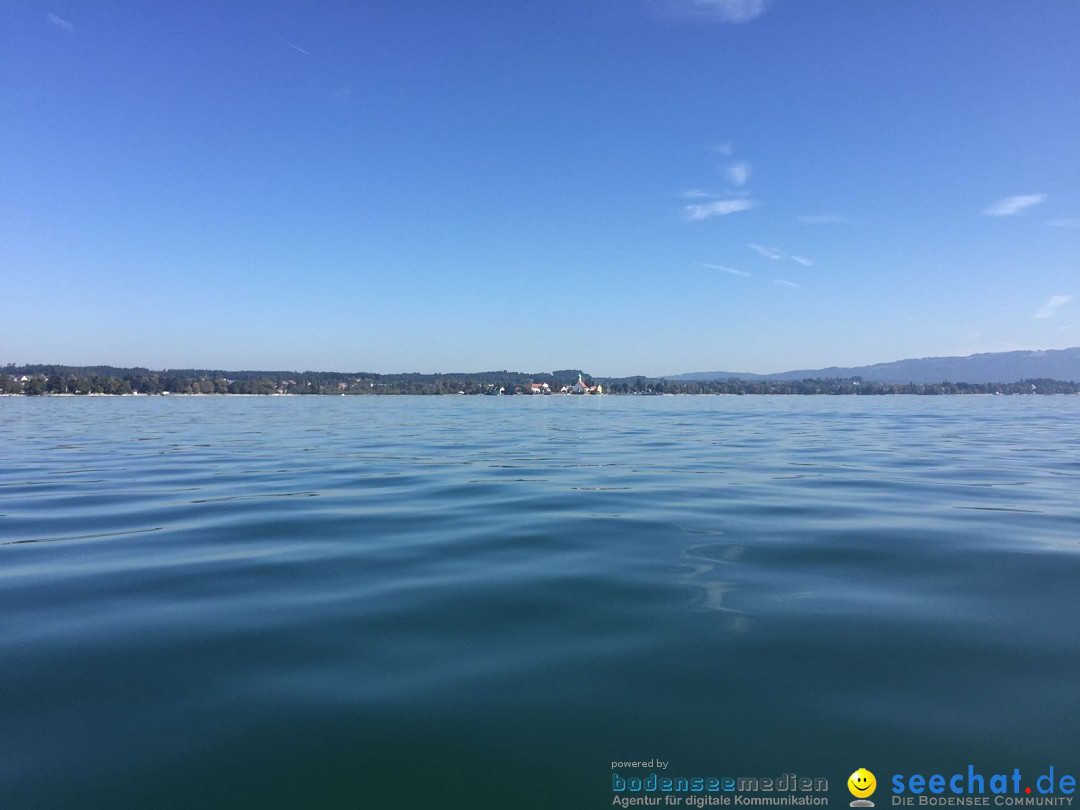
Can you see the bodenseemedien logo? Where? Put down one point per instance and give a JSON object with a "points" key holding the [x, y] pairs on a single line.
{"points": [[862, 785], [672, 790]]}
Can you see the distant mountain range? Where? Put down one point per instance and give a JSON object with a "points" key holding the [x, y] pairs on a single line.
{"points": [[992, 367]]}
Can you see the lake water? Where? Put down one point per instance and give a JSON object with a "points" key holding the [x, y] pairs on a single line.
{"points": [[483, 602]]}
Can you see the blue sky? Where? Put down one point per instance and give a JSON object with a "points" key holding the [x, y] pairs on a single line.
{"points": [[623, 186]]}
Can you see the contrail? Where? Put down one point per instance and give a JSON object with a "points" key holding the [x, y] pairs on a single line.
{"points": [[297, 47]]}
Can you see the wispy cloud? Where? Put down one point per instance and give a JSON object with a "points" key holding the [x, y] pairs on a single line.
{"points": [[733, 199], [776, 254], [823, 219], [768, 252], [739, 173], [1070, 222], [731, 270], [782, 283], [726, 149], [719, 208], [59, 21], [1050, 308], [1011, 206], [732, 11], [699, 194]]}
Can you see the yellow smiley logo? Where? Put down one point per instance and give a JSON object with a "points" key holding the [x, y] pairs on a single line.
{"points": [[861, 783]]}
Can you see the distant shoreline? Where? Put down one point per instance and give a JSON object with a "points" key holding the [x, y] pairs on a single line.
{"points": [[60, 380]]}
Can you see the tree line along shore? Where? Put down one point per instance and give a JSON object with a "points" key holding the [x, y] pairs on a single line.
{"points": [[45, 380]]}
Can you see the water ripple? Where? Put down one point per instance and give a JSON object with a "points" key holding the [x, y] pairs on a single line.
{"points": [[370, 592]]}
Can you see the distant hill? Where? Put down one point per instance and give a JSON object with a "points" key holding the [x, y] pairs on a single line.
{"points": [[992, 367]]}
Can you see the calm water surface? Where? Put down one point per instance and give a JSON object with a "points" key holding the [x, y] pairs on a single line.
{"points": [[482, 602]]}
